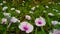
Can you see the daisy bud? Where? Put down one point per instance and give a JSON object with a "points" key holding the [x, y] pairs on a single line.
{"points": [[25, 26], [4, 1], [31, 12], [12, 8], [50, 14], [5, 8], [46, 6], [1, 3], [49, 2], [17, 11], [4, 20], [33, 8], [40, 21], [27, 17]]}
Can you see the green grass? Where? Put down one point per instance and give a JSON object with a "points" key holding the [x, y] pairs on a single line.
{"points": [[25, 8]]}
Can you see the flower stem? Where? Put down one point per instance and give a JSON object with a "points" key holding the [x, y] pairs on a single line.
{"points": [[9, 25], [36, 31], [42, 29]]}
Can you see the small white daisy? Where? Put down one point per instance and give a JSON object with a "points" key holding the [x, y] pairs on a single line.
{"points": [[59, 3], [4, 1], [27, 17], [47, 6], [40, 21], [5, 8], [49, 2], [57, 10], [44, 11], [4, 20], [37, 6], [33, 8], [50, 14], [1, 3], [58, 13], [12, 8], [54, 22], [31, 12], [18, 11], [25, 26], [24, 1]]}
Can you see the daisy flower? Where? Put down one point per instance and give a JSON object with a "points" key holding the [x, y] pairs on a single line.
{"points": [[27, 17], [40, 21], [25, 26], [4, 20], [5, 8]]}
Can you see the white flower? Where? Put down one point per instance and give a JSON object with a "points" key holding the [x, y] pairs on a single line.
{"points": [[1, 3], [50, 14], [55, 31], [27, 17], [49, 2], [54, 22], [24, 1], [58, 13], [31, 12], [18, 20], [6, 14], [57, 10], [46, 6], [37, 6], [4, 20], [4, 8], [4, 1], [12, 8], [33, 8], [13, 19], [59, 3], [53, 9], [25, 26], [17, 11], [40, 21], [44, 11]]}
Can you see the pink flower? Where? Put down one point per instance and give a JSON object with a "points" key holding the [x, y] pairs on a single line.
{"points": [[27, 17], [54, 22], [25, 26], [55, 31], [4, 20], [40, 21], [13, 19]]}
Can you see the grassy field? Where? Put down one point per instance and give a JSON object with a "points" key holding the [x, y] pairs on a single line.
{"points": [[42, 8]]}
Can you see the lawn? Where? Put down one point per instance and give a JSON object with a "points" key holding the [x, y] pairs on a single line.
{"points": [[40, 16]]}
